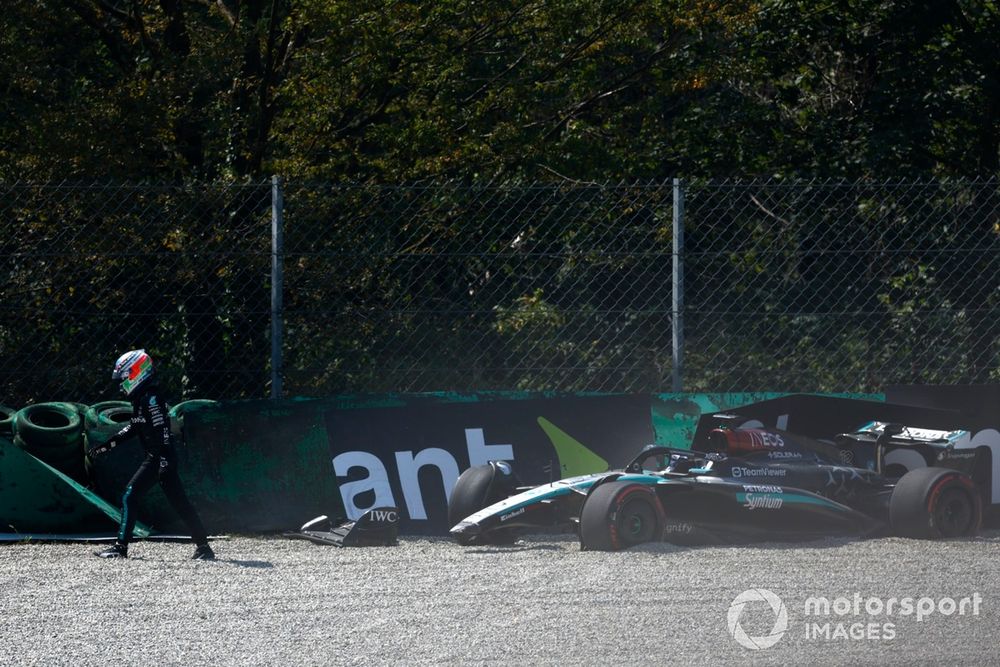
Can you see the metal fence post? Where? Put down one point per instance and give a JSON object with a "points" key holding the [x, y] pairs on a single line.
{"points": [[677, 289], [277, 280]]}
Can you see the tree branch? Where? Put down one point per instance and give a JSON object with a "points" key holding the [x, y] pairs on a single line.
{"points": [[117, 48]]}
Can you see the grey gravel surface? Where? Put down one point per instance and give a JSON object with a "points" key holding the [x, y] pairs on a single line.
{"points": [[273, 601]]}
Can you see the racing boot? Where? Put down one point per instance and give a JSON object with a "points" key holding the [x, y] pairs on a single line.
{"points": [[116, 550], [203, 552]]}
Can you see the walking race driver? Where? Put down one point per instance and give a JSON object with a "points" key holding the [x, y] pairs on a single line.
{"points": [[151, 423]]}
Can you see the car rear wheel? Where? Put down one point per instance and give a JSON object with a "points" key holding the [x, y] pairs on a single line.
{"points": [[477, 488], [618, 515], [934, 503]]}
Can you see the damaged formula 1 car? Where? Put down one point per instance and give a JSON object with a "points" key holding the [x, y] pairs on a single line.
{"points": [[752, 484]]}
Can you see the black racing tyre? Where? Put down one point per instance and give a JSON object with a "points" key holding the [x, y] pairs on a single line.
{"points": [[618, 515], [476, 488], [935, 503], [49, 425]]}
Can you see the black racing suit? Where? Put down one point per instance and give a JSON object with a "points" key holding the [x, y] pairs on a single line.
{"points": [[151, 422]]}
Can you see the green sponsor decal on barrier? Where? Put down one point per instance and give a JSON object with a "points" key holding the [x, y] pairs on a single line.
{"points": [[675, 416]]}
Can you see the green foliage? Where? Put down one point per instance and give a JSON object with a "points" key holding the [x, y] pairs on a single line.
{"points": [[544, 90]]}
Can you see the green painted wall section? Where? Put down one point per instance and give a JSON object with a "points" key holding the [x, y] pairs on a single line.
{"points": [[268, 464]]}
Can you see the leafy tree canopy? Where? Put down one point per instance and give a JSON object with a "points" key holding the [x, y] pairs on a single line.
{"points": [[389, 91]]}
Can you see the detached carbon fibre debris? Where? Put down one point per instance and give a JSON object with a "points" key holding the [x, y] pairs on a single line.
{"points": [[377, 527]]}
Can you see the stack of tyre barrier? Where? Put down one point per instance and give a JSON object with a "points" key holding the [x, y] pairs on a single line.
{"points": [[53, 433], [63, 435], [32, 498]]}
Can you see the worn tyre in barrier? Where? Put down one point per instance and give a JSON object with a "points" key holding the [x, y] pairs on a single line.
{"points": [[81, 408], [49, 425], [933, 503], [113, 418], [92, 416], [53, 433], [618, 515]]}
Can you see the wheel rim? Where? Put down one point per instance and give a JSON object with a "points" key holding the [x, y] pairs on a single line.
{"points": [[637, 521], [635, 525], [953, 513]]}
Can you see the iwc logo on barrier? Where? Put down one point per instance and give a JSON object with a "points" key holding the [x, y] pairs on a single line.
{"points": [[738, 609]]}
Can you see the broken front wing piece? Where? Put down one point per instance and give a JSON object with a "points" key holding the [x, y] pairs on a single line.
{"points": [[377, 527]]}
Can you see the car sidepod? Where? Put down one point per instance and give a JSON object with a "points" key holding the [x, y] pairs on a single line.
{"points": [[715, 510]]}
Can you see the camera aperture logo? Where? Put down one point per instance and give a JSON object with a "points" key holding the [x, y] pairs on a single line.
{"points": [[737, 609], [845, 617]]}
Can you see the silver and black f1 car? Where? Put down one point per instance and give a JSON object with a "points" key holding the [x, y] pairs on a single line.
{"points": [[754, 484]]}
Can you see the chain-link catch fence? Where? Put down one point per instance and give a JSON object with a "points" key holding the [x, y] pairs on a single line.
{"points": [[779, 286]]}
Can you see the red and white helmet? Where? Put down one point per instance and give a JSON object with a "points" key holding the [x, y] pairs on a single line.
{"points": [[133, 368]]}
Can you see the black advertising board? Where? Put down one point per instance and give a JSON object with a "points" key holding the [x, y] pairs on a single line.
{"points": [[410, 456]]}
